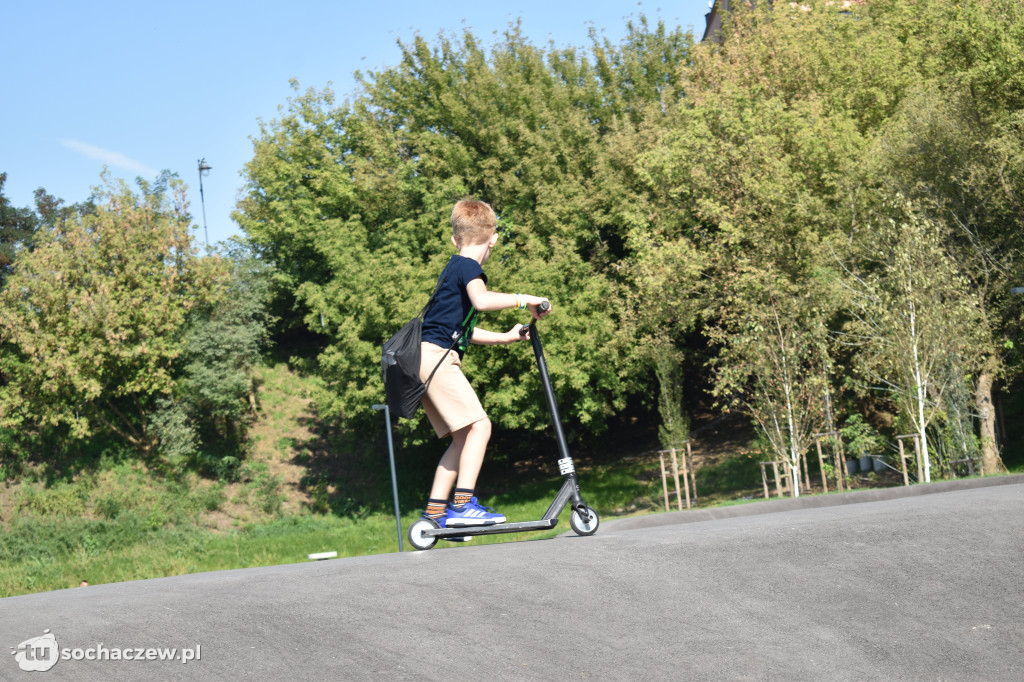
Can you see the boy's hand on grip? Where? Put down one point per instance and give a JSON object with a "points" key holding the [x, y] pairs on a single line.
{"points": [[539, 307]]}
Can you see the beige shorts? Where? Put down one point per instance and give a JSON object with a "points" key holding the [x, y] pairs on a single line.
{"points": [[450, 402]]}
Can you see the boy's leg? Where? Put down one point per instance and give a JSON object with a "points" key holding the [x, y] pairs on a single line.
{"points": [[464, 510], [462, 460], [448, 468], [474, 447], [453, 465], [454, 409]]}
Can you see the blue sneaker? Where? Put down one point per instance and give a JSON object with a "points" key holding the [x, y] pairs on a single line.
{"points": [[472, 514], [441, 522]]}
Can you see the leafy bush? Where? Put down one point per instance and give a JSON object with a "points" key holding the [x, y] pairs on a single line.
{"points": [[175, 432]]}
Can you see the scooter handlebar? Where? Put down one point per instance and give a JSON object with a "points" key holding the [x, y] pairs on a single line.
{"points": [[542, 307]]}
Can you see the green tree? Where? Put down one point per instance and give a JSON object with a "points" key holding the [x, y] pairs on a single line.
{"points": [[955, 147], [223, 345], [351, 204], [773, 342], [799, 119], [674, 430], [912, 312], [745, 177], [96, 313]]}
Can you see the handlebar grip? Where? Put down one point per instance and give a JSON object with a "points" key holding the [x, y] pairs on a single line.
{"points": [[541, 307]]}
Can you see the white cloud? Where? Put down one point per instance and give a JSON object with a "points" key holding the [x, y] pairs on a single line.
{"points": [[114, 159]]}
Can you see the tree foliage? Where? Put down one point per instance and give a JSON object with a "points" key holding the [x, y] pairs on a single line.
{"points": [[656, 190], [96, 314], [912, 314], [215, 390], [351, 204], [793, 131]]}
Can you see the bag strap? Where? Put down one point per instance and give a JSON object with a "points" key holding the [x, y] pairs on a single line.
{"points": [[468, 325]]}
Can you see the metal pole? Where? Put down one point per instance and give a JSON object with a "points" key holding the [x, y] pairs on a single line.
{"points": [[202, 198], [394, 479]]}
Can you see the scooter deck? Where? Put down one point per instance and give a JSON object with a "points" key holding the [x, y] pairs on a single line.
{"points": [[544, 524]]}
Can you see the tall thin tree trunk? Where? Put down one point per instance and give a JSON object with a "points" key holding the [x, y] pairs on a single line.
{"points": [[922, 394], [794, 453], [921, 428], [829, 420], [987, 423]]}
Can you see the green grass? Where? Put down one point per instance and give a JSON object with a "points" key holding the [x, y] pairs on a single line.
{"points": [[119, 525], [39, 555]]}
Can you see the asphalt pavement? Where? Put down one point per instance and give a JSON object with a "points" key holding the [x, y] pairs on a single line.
{"points": [[910, 587]]}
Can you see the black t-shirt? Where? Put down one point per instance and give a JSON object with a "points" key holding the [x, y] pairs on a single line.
{"points": [[444, 320]]}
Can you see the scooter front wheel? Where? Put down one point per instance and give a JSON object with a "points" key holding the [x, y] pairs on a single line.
{"points": [[416, 537], [584, 525]]}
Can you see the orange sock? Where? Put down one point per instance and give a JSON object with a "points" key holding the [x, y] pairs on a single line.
{"points": [[435, 508], [462, 496]]}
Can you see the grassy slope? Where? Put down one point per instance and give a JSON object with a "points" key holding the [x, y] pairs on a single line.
{"points": [[120, 522]]}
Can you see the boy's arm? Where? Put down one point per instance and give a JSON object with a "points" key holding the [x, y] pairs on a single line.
{"points": [[483, 337], [488, 301]]}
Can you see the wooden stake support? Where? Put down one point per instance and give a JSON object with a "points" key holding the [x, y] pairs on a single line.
{"points": [[775, 476], [687, 461], [917, 456], [821, 465], [805, 480], [689, 465], [837, 454], [675, 475]]}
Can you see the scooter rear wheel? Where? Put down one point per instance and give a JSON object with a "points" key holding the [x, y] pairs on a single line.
{"points": [[416, 537], [585, 526]]}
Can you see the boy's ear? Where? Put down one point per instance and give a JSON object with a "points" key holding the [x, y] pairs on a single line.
{"points": [[455, 241], [494, 239]]}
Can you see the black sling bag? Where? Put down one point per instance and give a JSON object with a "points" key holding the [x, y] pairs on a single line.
{"points": [[400, 360]]}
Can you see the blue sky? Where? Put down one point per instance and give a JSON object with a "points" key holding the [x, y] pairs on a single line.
{"points": [[141, 87]]}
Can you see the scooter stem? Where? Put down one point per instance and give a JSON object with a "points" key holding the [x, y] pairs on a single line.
{"points": [[549, 393]]}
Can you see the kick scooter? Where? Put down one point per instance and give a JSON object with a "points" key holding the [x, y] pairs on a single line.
{"points": [[424, 533]]}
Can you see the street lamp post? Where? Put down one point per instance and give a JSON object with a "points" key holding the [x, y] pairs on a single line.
{"points": [[204, 169], [394, 479]]}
